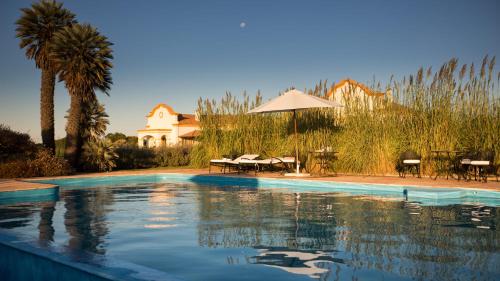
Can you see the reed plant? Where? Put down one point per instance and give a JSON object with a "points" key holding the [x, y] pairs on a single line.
{"points": [[454, 108]]}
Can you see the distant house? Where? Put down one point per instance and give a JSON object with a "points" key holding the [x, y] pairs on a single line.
{"points": [[350, 90], [165, 127]]}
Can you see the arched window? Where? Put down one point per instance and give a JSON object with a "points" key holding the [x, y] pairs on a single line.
{"points": [[146, 141], [163, 140]]}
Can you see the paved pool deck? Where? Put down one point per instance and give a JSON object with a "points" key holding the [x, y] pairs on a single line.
{"points": [[8, 185], [492, 184]]}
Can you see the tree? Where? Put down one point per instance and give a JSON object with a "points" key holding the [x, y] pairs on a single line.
{"points": [[100, 154], [36, 28], [114, 137], [82, 57], [94, 120]]}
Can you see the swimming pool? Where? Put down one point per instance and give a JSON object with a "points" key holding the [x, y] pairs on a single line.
{"points": [[219, 228]]}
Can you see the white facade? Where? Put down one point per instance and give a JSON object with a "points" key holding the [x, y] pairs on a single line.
{"points": [[165, 127], [349, 90]]}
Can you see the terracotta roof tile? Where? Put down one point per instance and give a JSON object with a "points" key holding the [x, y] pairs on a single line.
{"points": [[355, 84], [188, 120], [191, 135]]}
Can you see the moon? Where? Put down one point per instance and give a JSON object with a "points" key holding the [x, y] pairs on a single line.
{"points": [[243, 24]]}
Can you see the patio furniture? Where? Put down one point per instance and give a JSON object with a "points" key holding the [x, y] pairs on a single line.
{"points": [[322, 158], [409, 161], [284, 163], [292, 101], [483, 165], [462, 164], [229, 163]]}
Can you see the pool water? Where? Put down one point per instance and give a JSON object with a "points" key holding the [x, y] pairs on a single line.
{"points": [[206, 232]]}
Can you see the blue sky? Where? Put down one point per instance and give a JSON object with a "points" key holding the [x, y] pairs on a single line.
{"points": [[177, 51]]}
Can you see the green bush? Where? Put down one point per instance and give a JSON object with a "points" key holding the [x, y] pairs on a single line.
{"points": [[47, 165], [15, 145], [43, 164], [20, 157], [99, 155], [172, 156], [132, 157]]}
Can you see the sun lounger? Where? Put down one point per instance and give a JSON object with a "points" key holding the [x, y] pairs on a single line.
{"points": [[285, 163], [230, 163]]}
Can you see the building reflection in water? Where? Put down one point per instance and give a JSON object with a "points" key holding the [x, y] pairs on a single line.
{"points": [[162, 212], [326, 236]]}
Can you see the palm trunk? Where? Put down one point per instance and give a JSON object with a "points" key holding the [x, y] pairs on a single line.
{"points": [[73, 139], [47, 108]]}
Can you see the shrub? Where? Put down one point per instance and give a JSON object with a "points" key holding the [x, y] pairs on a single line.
{"points": [[132, 157], [15, 169], [43, 164], [47, 165], [99, 155], [14, 145], [172, 156]]}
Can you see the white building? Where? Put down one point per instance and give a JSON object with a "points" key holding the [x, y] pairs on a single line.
{"points": [[165, 127], [350, 90]]}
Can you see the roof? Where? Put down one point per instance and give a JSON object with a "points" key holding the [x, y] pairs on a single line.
{"points": [[355, 84], [191, 135], [187, 120], [169, 109]]}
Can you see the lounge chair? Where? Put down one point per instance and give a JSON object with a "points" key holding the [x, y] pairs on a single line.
{"points": [[230, 163], [285, 163], [409, 161]]}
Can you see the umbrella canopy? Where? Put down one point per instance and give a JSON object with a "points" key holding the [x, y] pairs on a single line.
{"points": [[294, 100]]}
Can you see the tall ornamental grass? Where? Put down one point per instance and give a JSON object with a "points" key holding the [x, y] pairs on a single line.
{"points": [[454, 108]]}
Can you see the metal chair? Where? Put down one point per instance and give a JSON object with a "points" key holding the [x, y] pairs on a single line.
{"points": [[484, 164], [409, 161]]}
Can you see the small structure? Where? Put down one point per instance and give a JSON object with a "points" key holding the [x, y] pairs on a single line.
{"points": [[165, 127], [351, 90]]}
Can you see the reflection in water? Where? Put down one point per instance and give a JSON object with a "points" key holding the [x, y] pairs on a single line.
{"points": [[311, 234], [45, 227], [15, 216], [85, 219], [322, 236], [297, 262]]}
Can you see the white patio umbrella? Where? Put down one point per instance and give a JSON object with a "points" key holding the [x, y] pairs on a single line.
{"points": [[294, 100]]}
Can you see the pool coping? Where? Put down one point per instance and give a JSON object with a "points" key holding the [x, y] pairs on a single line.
{"points": [[425, 195], [370, 180], [8, 185]]}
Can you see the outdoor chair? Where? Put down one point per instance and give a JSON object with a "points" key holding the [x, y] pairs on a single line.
{"points": [[230, 163], [483, 165], [409, 162], [323, 159], [463, 164], [282, 163]]}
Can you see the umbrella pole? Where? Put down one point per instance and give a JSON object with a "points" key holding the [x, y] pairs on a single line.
{"points": [[296, 141]]}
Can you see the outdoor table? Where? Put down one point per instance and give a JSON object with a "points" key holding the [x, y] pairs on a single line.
{"points": [[444, 163], [322, 158]]}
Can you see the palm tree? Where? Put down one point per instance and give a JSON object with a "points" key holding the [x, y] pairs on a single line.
{"points": [[94, 120], [82, 57], [36, 28], [100, 154]]}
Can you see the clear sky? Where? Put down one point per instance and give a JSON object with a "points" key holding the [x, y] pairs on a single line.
{"points": [[177, 51]]}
